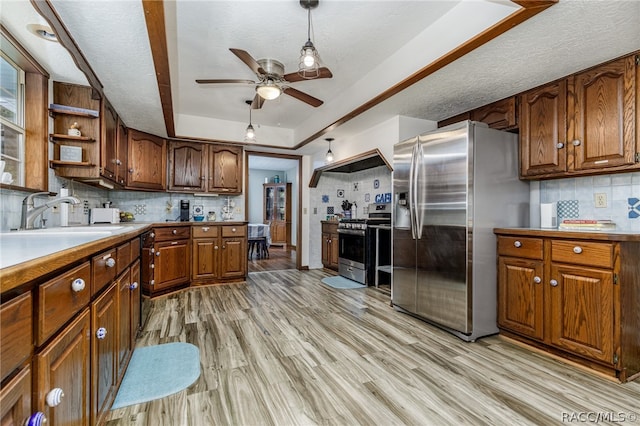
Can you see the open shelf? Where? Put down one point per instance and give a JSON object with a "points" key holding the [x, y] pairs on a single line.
{"points": [[58, 163], [70, 138], [53, 111]]}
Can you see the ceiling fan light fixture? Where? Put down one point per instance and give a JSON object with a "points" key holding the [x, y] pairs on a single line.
{"points": [[268, 90], [329, 155]]}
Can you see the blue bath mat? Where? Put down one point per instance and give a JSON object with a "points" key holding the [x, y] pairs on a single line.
{"points": [[342, 282], [158, 371]]}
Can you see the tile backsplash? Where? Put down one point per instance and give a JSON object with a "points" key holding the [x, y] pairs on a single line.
{"points": [[576, 198]]}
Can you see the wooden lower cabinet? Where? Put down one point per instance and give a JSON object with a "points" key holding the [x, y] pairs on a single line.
{"points": [[219, 252], [104, 356], [15, 399], [65, 364], [574, 295], [330, 245], [166, 259]]}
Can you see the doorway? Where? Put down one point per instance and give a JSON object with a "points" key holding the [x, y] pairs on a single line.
{"points": [[267, 174]]}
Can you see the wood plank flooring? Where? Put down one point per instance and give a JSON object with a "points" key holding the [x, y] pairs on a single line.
{"points": [[285, 349], [279, 258]]}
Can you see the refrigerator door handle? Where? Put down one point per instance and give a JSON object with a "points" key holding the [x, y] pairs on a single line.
{"points": [[416, 207], [412, 211]]}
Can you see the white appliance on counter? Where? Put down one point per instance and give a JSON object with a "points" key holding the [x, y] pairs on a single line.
{"points": [[452, 187], [105, 215]]}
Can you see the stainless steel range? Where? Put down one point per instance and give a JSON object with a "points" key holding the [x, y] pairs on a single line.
{"points": [[361, 243]]}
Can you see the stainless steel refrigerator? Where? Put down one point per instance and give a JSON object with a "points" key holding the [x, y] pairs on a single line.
{"points": [[451, 187]]}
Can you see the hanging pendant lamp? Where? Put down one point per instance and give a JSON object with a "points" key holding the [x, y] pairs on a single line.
{"points": [[329, 156], [309, 63], [250, 134]]}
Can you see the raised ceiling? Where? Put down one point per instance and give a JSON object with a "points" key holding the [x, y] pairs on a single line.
{"points": [[368, 45]]}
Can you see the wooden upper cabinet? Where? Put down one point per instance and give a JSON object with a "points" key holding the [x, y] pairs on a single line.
{"points": [[187, 166], [109, 140], [543, 130], [501, 115], [147, 161], [225, 169], [122, 153], [602, 122]]}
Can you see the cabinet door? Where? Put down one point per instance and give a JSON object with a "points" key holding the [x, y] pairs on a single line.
{"points": [[147, 161], [104, 343], [108, 141], [326, 249], [520, 296], [124, 321], [233, 258], [65, 364], [334, 251], [499, 115], [269, 204], [15, 399], [278, 233], [225, 169], [172, 262], [205, 262], [187, 166], [582, 311], [602, 116], [122, 153], [135, 300], [543, 130]]}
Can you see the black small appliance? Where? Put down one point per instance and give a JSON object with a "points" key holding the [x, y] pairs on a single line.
{"points": [[184, 211]]}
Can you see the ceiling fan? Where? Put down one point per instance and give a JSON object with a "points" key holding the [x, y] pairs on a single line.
{"points": [[272, 81]]}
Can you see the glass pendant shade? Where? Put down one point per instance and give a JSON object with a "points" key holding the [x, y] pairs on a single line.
{"points": [[250, 135], [329, 156], [309, 63], [268, 90]]}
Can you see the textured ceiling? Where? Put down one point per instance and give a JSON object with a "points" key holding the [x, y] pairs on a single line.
{"points": [[368, 45]]}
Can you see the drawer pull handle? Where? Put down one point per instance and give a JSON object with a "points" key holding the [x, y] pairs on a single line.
{"points": [[577, 249], [78, 285], [215, 247], [111, 262], [133, 285], [233, 229], [101, 333], [174, 232], [553, 283], [36, 419], [559, 145], [537, 280], [517, 244], [152, 235], [205, 229], [576, 142], [54, 397], [157, 253], [152, 266], [152, 282]]}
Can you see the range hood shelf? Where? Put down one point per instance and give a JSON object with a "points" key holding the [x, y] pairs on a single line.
{"points": [[366, 160]]}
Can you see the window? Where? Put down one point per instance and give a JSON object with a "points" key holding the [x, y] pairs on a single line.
{"points": [[12, 132]]}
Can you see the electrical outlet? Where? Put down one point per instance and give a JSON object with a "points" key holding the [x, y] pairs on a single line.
{"points": [[601, 200]]}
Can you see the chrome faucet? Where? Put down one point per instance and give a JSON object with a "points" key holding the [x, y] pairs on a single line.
{"points": [[30, 213]]}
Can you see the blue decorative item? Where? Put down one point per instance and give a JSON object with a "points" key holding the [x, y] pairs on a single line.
{"points": [[325, 198], [634, 208], [568, 209], [387, 197]]}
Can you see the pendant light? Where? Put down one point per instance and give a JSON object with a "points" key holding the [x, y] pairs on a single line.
{"points": [[329, 155], [309, 63], [250, 134]]}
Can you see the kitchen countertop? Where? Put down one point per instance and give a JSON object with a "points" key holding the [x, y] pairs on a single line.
{"points": [[28, 255], [616, 235]]}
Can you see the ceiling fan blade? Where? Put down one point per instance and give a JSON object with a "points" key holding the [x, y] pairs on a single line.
{"points": [[257, 102], [301, 96], [248, 59], [294, 76], [224, 80]]}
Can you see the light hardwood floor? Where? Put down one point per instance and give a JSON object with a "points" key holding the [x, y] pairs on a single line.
{"points": [[284, 349]]}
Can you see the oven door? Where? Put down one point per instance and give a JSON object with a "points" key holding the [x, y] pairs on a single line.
{"points": [[352, 247]]}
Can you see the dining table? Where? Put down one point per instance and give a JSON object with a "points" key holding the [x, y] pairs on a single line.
{"points": [[259, 240]]}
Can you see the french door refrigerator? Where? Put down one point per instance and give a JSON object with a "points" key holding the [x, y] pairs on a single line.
{"points": [[451, 187]]}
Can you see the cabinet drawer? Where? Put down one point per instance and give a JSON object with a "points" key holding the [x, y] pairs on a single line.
{"points": [[103, 270], [124, 257], [234, 231], [15, 333], [205, 231], [60, 299], [582, 253], [530, 248], [173, 233], [330, 227]]}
